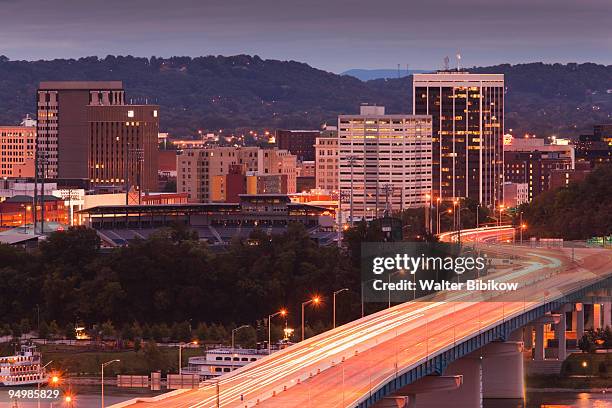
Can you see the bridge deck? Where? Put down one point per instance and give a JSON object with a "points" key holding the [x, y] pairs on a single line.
{"points": [[381, 346]]}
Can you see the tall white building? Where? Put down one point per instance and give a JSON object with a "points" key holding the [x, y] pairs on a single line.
{"points": [[384, 162]]}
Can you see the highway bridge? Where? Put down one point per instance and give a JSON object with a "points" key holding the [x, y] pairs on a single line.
{"points": [[419, 353]]}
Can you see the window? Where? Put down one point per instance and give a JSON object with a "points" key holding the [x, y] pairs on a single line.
{"points": [[130, 114]]}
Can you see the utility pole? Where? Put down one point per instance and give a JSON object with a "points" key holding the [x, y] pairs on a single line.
{"points": [[42, 157], [341, 198], [351, 160], [388, 190], [135, 158]]}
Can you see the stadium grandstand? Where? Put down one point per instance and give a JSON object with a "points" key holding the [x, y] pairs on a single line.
{"points": [[216, 223]]}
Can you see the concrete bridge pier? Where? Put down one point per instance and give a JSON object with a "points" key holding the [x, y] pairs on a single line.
{"points": [[579, 320], [560, 329], [397, 402], [461, 384], [503, 374], [539, 352], [596, 321], [528, 337]]}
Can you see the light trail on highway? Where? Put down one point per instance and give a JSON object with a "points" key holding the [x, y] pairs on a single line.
{"points": [[341, 366]]}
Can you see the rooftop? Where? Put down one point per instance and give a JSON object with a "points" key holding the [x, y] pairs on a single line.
{"points": [[29, 199], [81, 85]]}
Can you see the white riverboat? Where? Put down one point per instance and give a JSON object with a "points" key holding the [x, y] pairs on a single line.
{"points": [[22, 369]]}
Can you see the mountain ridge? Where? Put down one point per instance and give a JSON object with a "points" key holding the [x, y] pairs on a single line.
{"points": [[247, 92]]}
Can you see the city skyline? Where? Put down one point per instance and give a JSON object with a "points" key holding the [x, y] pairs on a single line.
{"points": [[318, 33]]}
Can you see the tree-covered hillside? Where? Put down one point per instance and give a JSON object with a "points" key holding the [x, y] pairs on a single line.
{"points": [[580, 211], [247, 91]]}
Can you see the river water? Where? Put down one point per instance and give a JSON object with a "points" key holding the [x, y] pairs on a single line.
{"points": [[86, 396], [556, 400]]}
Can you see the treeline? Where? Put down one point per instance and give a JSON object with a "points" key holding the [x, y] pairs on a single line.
{"points": [[580, 211], [242, 91], [172, 277]]}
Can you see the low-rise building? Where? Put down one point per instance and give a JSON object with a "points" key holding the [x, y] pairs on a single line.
{"points": [[215, 174], [326, 163], [531, 161], [515, 194], [17, 150]]}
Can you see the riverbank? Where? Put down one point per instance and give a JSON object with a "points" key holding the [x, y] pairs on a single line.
{"points": [[84, 362]]}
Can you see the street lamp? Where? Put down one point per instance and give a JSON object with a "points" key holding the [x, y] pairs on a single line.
{"points": [[334, 306], [233, 337], [102, 366], [54, 380], [362, 290], [389, 283], [180, 360], [316, 300], [281, 312], [428, 213], [438, 201]]}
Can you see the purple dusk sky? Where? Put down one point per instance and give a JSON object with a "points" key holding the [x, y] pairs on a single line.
{"points": [[330, 34]]}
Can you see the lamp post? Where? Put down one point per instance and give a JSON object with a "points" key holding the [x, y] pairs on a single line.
{"points": [[334, 306], [455, 202], [180, 359], [233, 337], [281, 312], [428, 213], [501, 208], [522, 226], [41, 371], [102, 366], [438, 203], [316, 300], [351, 160], [389, 284], [362, 302]]}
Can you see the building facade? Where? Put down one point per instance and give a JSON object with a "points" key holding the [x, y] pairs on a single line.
{"points": [[85, 130], [384, 162], [122, 151], [515, 194], [468, 126], [534, 169], [298, 142], [326, 162], [279, 162], [17, 150], [531, 161], [203, 173]]}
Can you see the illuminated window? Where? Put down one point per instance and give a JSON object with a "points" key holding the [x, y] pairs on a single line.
{"points": [[130, 114]]}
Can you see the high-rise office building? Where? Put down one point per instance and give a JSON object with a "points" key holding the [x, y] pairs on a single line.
{"points": [[384, 162], [123, 147], [62, 123], [468, 126], [86, 131]]}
